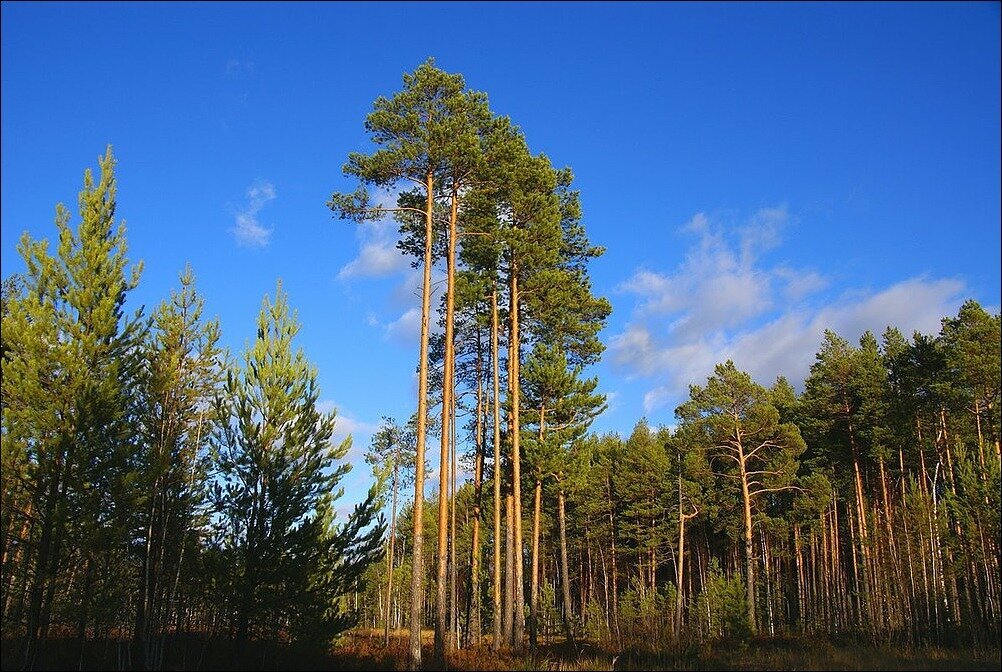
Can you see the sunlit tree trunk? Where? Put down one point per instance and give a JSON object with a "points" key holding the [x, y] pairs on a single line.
{"points": [[417, 574], [446, 435], [514, 385], [473, 609], [496, 410], [534, 580], [389, 554], [507, 623]]}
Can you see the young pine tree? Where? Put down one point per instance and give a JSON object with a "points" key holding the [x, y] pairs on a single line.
{"points": [[279, 472], [71, 363], [182, 374]]}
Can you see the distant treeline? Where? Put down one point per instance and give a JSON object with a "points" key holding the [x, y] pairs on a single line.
{"points": [[865, 508]]}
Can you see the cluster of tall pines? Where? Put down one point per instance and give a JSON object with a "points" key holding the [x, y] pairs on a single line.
{"points": [[152, 484], [866, 506]]}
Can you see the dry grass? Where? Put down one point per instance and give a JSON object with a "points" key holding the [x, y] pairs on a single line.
{"points": [[364, 650], [759, 654]]}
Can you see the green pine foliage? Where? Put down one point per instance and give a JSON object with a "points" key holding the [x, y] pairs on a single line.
{"points": [[278, 476]]}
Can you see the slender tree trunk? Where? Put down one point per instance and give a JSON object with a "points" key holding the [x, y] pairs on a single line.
{"points": [[518, 627], [537, 509], [47, 558], [496, 410], [509, 581], [417, 574], [749, 545], [473, 610], [612, 555], [680, 565], [453, 587], [389, 555], [863, 528], [443, 472], [534, 589], [565, 587]]}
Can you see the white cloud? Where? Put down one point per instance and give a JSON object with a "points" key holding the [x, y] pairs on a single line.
{"points": [[248, 230], [798, 284], [406, 329], [378, 255], [723, 303], [346, 424], [374, 260], [612, 400], [718, 285]]}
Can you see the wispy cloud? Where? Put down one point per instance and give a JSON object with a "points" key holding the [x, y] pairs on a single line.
{"points": [[236, 67], [375, 259], [248, 230], [723, 302], [378, 255], [406, 329], [346, 424]]}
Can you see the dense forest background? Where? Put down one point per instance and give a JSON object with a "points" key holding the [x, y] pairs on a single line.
{"points": [[157, 486]]}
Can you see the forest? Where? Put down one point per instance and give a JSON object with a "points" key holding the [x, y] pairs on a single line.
{"points": [[168, 504]]}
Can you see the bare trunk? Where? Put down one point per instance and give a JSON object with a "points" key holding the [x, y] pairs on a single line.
{"points": [[534, 589], [496, 409], [389, 555], [417, 574], [518, 627], [612, 556], [509, 586], [473, 609], [749, 547], [680, 564], [565, 582], [443, 472], [453, 589]]}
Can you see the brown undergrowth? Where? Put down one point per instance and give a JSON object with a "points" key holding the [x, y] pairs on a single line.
{"points": [[364, 650]]}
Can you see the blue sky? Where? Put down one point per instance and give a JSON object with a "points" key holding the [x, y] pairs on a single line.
{"points": [[757, 172]]}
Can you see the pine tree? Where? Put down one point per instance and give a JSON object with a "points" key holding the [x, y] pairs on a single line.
{"points": [[747, 445], [391, 455], [70, 366], [280, 474], [564, 408], [971, 343], [414, 131], [183, 369]]}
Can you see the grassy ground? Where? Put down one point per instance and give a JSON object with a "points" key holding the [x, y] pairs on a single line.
{"points": [[364, 650], [759, 654]]}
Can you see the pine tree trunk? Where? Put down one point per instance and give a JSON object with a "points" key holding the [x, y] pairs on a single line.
{"points": [[514, 385], [443, 472], [749, 546], [534, 590], [565, 587], [453, 585], [417, 574], [473, 602], [496, 410], [46, 562], [680, 564], [507, 623], [389, 554], [612, 555]]}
